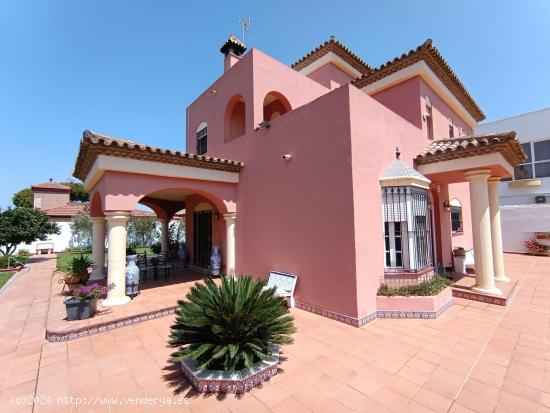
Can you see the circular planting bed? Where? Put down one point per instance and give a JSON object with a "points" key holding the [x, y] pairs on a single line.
{"points": [[240, 381]]}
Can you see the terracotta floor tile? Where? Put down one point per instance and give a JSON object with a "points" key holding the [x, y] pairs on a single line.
{"points": [[432, 400], [391, 400], [350, 397], [328, 384], [290, 404]]}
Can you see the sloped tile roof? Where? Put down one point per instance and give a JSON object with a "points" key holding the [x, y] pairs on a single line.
{"points": [[429, 54], [399, 169], [504, 143], [67, 211], [333, 45], [51, 185], [232, 44], [94, 144]]}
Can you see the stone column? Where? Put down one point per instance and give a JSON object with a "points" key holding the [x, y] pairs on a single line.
{"points": [[230, 243], [481, 231], [496, 231], [163, 234], [116, 256], [98, 248]]}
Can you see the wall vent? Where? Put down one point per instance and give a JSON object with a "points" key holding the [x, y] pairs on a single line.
{"points": [[541, 199]]}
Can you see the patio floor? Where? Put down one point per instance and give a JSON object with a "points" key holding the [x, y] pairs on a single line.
{"points": [[156, 298], [475, 357]]}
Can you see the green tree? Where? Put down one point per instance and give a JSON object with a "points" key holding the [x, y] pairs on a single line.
{"points": [[26, 225], [230, 326], [143, 230], [81, 231], [78, 193], [23, 198]]}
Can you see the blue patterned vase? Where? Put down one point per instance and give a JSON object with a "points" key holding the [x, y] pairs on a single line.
{"points": [[215, 261]]}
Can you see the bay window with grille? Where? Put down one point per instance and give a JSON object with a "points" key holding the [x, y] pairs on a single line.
{"points": [[407, 228]]}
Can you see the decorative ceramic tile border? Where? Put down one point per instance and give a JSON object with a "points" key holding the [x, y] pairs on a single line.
{"points": [[356, 322], [214, 381], [489, 299], [416, 314], [378, 314], [67, 335]]}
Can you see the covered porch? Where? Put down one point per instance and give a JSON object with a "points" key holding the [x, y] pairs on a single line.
{"points": [[121, 174], [482, 162]]}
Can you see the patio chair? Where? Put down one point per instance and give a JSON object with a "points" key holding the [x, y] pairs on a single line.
{"points": [[165, 263], [284, 285], [144, 265]]}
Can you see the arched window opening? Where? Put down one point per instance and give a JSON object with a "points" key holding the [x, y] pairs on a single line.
{"points": [[202, 138], [235, 118], [456, 215], [275, 105]]}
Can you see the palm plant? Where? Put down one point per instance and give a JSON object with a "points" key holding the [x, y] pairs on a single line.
{"points": [[230, 326]]}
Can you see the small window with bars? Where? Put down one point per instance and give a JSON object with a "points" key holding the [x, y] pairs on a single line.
{"points": [[202, 141]]}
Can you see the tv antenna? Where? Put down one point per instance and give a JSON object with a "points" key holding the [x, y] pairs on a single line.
{"points": [[245, 26]]}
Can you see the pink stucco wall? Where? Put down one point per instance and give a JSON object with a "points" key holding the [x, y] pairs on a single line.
{"points": [[441, 112], [330, 76], [373, 150], [403, 100], [253, 77], [408, 100]]}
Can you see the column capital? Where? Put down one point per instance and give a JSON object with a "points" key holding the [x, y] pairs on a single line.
{"points": [[117, 216], [97, 220], [494, 180], [230, 216], [477, 174]]}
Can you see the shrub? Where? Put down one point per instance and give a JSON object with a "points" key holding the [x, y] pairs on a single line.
{"points": [[77, 265], [91, 292], [11, 261], [156, 247], [229, 327], [433, 286]]}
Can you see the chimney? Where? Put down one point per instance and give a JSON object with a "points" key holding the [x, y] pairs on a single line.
{"points": [[232, 49]]}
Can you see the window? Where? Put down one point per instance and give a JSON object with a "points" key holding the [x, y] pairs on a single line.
{"points": [[451, 129], [538, 161], [202, 139], [456, 216], [429, 118], [407, 238]]}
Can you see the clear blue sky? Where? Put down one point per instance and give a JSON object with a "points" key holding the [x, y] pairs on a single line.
{"points": [[129, 68]]}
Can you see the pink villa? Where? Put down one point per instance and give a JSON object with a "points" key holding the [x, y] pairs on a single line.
{"points": [[295, 169]]}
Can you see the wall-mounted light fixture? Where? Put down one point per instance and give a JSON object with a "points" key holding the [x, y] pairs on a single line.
{"points": [[447, 205], [287, 157], [215, 215]]}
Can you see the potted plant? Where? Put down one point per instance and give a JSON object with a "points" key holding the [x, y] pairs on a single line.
{"points": [[230, 330], [459, 255], [76, 271], [82, 303], [535, 248]]}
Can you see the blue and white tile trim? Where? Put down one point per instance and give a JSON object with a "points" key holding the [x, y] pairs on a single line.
{"points": [[359, 322]]}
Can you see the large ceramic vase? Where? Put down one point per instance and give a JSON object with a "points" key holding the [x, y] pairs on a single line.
{"points": [[182, 254], [132, 277], [215, 261]]}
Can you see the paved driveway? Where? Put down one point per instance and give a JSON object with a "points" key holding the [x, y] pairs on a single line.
{"points": [[475, 357]]}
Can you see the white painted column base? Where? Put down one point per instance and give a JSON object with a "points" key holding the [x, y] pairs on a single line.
{"points": [[116, 256], [98, 248], [230, 244]]}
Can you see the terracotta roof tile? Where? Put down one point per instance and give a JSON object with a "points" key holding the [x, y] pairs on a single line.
{"points": [[94, 144], [429, 54], [504, 143], [232, 44], [67, 211], [51, 185], [333, 45]]}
